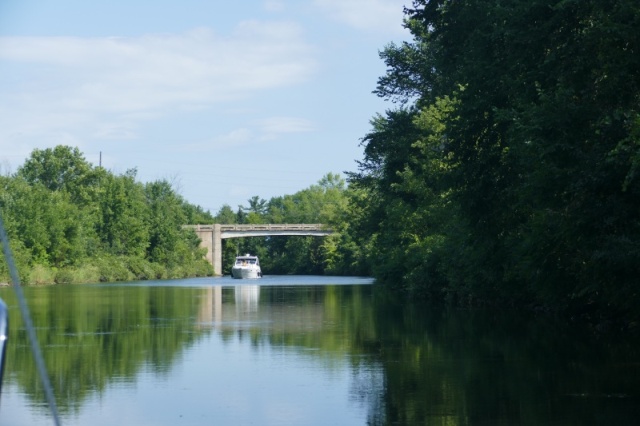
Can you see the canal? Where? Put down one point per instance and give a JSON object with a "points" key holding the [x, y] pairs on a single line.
{"points": [[292, 350]]}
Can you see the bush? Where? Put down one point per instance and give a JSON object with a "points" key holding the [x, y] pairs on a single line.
{"points": [[202, 268], [176, 272], [22, 259], [87, 274], [140, 268], [64, 276], [113, 269], [159, 271], [39, 275]]}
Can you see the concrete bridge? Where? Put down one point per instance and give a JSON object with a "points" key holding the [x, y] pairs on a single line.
{"points": [[211, 236]]}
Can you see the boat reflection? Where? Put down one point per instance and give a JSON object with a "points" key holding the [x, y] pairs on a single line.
{"points": [[247, 298], [214, 306]]}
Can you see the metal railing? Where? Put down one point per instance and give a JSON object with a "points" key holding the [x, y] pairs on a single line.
{"points": [[265, 227]]}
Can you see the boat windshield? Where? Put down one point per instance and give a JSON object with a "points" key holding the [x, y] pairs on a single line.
{"points": [[245, 261]]}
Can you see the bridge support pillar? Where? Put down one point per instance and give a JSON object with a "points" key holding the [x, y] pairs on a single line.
{"points": [[216, 249], [211, 239]]}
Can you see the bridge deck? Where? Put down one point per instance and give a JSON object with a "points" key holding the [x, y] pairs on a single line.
{"points": [[264, 227]]}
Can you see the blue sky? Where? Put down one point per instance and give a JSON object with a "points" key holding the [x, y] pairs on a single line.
{"points": [[225, 99]]}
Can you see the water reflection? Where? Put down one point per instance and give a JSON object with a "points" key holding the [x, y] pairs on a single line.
{"points": [[210, 310], [246, 299], [213, 312], [311, 354]]}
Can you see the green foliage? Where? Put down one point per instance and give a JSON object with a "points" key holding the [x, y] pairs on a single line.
{"points": [[63, 276], [512, 176], [62, 168], [50, 226], [165, 219], [196, 215], [112, 268], [140, 268], [225, 215], [121, 217], [69, 222], [257, 205], [326, 203], [40, 275]]}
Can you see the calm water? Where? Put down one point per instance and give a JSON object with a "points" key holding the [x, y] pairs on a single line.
{"points": [[305, 351]]}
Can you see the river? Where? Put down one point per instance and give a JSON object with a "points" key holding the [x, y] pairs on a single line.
{"points": [[293, 350]]}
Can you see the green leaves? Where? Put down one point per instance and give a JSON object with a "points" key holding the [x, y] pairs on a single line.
{"points": [[61, 212], [61, 169], [514, 175], [325, 202]]}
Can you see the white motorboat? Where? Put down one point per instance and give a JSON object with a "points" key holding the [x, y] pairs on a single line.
{"points": [[246, 266]]}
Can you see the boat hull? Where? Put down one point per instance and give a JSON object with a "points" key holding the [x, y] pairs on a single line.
{"points": [[246, 272]]}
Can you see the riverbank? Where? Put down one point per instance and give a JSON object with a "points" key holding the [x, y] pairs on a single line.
{"points": [[108, 269]]}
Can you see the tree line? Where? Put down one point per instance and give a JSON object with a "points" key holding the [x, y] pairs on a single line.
{"points": [[69, 221], [506, 171], [326, 202]]}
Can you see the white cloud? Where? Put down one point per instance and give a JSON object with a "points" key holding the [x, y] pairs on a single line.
{"points": [[102, 87], [266, 129], [149, 72], [271, 128], [373, 15]]}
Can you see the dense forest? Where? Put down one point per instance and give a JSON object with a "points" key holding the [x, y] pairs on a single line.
{"points": [[507, 170]]}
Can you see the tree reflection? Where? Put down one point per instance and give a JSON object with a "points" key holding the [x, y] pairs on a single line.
{"points": [[459, 367], [409, 363], [91, 337]]}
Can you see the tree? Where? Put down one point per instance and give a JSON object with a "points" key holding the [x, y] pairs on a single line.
{"points": [[123, 223], [536, 144], [166, 238], [225, 215], [196, 215], [62, 168], [257, 205], [51, 228]]}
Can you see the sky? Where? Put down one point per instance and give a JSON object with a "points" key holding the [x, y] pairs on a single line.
{"points": [[227, 100]]}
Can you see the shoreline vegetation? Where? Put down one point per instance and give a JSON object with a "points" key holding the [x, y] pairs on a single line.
{"points": [[108, 270], [507, 174], [71, 222]]}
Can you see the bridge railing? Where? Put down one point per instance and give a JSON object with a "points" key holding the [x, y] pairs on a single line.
{"points": [[264, 227]]}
